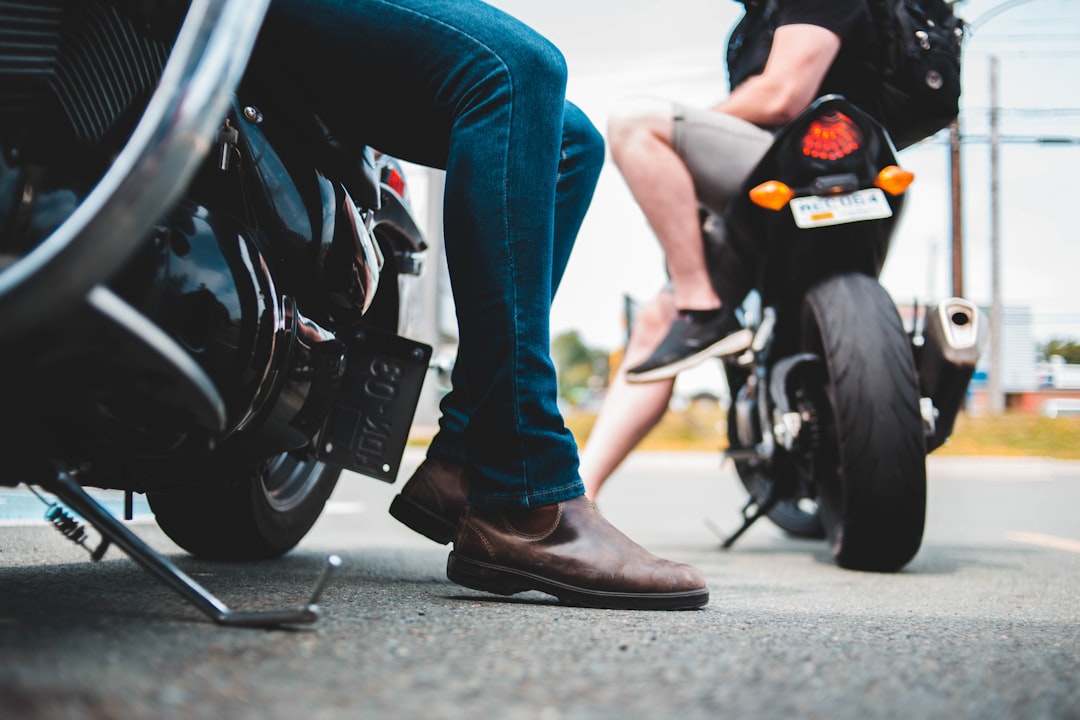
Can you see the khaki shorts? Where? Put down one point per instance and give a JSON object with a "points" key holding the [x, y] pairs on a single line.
{"points": [[719, 149]]}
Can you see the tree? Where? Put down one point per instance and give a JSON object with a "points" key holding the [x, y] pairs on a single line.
{"points": [[1068, 349], [578, 364]]}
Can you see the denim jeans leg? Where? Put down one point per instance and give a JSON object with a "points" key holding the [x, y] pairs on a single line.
{"points": [[460, 85], [580, 161]]}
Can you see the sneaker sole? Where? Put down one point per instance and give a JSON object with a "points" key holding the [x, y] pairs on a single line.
{"points": [[734, 343], [500, 580]]}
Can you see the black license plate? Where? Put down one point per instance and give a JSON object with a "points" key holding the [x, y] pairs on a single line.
{"points": [[368, 426]]}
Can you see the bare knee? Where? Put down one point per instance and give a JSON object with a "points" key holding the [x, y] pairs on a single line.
{"points": [[637, 121]]}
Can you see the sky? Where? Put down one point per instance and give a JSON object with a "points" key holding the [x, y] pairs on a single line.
{"points": [[616, 49]]}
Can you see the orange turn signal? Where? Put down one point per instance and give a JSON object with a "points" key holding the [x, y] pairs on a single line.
{"points": [[894, 180], [772, 195]]}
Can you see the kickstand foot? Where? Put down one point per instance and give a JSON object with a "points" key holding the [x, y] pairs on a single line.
{"points": [[752, 511], [71, 493]]}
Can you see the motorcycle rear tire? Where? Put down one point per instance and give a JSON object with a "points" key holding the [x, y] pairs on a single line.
{"points": [[262, 516], [870, 468], [796, 516], [796, 520]]}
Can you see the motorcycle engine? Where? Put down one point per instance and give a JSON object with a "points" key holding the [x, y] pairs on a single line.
{"points": [[75, 76]]}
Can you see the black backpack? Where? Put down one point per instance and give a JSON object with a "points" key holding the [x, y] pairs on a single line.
{"points": [[912, 66], [918, 63]]}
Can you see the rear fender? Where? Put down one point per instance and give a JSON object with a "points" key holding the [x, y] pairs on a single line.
{"points": [[792, 259]]}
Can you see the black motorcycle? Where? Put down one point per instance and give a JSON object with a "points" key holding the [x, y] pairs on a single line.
{"points": [[202, 291], [836, 404]]}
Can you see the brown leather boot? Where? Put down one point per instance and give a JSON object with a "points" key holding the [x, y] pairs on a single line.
{"points": [[570, 551], [432, 500]]}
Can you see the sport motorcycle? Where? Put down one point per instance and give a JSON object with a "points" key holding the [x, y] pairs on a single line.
{"points": [[836, 403]]}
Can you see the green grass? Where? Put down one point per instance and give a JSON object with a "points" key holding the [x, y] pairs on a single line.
{"points": [[703, 427], [1015, 435], [700, 427]]}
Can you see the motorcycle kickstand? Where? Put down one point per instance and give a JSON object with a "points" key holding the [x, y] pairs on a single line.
{"points": [[70, 492], [760, 509]]}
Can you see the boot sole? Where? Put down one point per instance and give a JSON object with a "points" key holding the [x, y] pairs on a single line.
{"points": [[417, 517], [499, 580], [733, 343]]}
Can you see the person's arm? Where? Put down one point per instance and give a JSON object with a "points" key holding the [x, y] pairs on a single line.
{"points": [[798, 61]]}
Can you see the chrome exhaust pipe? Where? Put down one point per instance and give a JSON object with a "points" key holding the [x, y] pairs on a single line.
{"points": [[954, 336]]}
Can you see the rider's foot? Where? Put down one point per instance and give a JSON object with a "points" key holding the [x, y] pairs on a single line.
{"points": [[570, 551], [432, 500], [695, 336]]}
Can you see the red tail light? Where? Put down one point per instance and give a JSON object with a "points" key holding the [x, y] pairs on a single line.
{"points": [[396, 182], [831, 137]]}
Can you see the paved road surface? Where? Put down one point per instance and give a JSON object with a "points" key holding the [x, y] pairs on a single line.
{"points": [[984, 623]]}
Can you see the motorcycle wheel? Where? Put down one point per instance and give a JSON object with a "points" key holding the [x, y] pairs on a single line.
{"points": [[261, 517], [797, 516], [870, 466]]}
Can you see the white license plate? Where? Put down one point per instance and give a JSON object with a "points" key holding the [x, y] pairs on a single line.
{"points": [[811, 212]]}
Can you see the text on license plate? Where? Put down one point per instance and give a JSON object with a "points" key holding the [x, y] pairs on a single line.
{"points": [[867, 204]]}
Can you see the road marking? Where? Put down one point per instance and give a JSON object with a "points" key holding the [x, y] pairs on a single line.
{"points": [[28, 522], [1045, 541], [344, 507]]}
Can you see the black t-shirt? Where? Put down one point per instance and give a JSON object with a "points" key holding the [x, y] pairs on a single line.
{"points": [[849, 75]]}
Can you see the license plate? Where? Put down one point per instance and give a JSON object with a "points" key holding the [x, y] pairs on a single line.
{"points": [[368, 425], [811, 212]]}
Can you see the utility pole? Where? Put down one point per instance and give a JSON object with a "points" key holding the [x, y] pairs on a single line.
{"points": [[957, 210], [995, 387]]}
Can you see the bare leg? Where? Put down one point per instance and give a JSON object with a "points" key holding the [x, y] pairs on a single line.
{"points": [[640, 138], [630, 410]]}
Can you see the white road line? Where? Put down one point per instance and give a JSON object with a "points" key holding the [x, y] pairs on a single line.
{"points": [[13, 522], [29, 522], [1049, 541], [344, 507]]}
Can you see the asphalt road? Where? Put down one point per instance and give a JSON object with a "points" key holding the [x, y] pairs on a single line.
{"points": [[984, 623]]}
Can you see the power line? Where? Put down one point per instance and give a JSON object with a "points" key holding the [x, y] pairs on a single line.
{"points": [[1022, 139], [1038, 140], [1015, 53], [994, 12], [1044, 111]]}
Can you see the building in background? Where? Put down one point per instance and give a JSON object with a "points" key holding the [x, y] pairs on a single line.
{"points": [[1030, 386]]}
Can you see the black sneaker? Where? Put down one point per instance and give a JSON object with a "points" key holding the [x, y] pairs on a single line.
{"points": [[695, 336]]}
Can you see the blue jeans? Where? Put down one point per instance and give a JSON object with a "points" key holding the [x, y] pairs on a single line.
{"points": [[460, 85]]}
